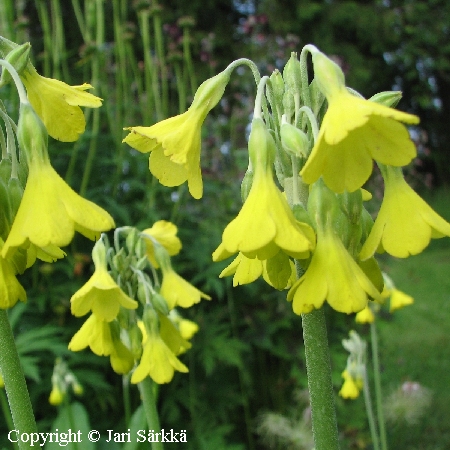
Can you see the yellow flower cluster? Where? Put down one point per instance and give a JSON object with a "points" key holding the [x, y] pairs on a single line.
{"points": [[161, 334]]}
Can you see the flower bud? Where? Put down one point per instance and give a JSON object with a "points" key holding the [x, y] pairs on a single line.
{"points": [[18, 58], [387, 98], [160, 304], [291, 74], [275, 94], [293, 140], [288, 104], [135, 335]]}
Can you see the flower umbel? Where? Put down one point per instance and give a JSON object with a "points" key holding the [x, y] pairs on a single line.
{"points": [[175, 143], [354, 131]]}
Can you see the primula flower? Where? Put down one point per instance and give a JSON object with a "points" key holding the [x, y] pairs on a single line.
{"points": [[350, 388], [175, 143], [94, 333], [332, 275], [58, 104], [353, 132], [365, 316], [97, 334], [100, 294], [10, 289], [158, 357], [265, 225], [50, 211], [398, 298], [166, 234], [56, 396], [178, 292], [405, 223]]}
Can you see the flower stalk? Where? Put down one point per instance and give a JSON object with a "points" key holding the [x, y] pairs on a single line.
{"points": [[15, 385], [146, 388], [320, 387]]}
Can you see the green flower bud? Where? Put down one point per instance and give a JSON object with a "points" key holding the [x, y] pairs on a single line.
{"points": [[323, 206], [387, 98], [275, 94], [6, 46], [291, 74], [160, 304], [293, 140], [18, 58], [131, 240], [288, 104], [135, 335]]}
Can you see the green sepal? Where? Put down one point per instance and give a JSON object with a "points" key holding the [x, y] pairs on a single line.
{"points": [[5, 211], [279, 270], [15, 193], [291, 74], [19, 59], [371, 268], [387, 98], [5, 169], [246, 184]]}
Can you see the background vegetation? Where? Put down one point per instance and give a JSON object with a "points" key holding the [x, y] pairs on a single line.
{"points": [[248, 357]]}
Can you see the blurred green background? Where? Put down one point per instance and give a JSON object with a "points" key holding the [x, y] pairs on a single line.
{"points": [[146, 60]]}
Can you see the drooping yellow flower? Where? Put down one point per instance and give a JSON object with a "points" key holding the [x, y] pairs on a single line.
{"points": [[158, 357], [265, 225], [178, 292], [405, 223], [56, 396], [10, 289], [100, 294], [94, 333], [349, 389], [166, 234], [58, 104], [175, 143], [353, 133], [50, 211], [398, 298], [365, 316], [186, 327], [332, 275]]}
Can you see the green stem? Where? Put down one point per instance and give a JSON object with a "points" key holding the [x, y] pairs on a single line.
{"points": [[369, 412], [7, 414], [16, 388], [188, 59], [319, 381], [149, 401], [377, 382], [126, 398]]}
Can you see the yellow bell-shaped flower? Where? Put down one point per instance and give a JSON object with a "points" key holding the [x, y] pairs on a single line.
{"points": [[353, 133], [166, 234], [100, 294], [58, 104], [179, 292], [158, 358], [332, 275], [405, 223], [349, 389], [265, 225], [10, 289], [399, 299], [365, 316], [56, 396], [94, 333], [175, 143], [50, 211]]}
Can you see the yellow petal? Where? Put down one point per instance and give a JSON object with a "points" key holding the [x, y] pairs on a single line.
{"points": [[365, 316], [10, 289], [399, 299]]}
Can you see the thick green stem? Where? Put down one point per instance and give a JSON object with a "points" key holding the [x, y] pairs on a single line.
{"points": [[16, 388], [377, 382], [149, 401], [319, 381]]}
